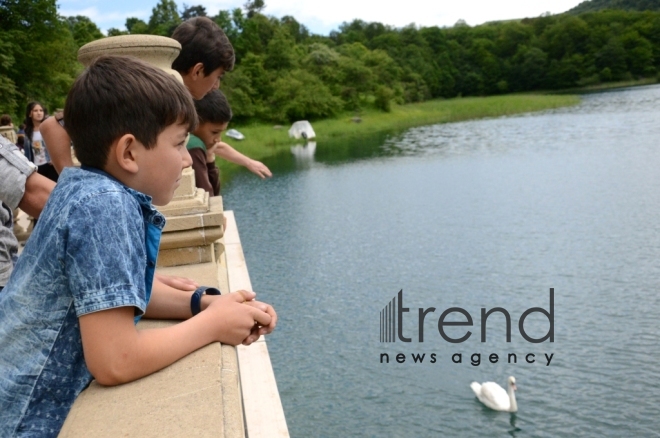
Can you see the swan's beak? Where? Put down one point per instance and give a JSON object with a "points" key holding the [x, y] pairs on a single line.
{"points": [[515, 388]]}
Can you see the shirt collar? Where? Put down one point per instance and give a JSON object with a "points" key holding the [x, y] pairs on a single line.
{"points": [[149, 212]]}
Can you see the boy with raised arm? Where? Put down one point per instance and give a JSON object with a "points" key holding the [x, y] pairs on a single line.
{"points": [[86, 273], [206, 143]]}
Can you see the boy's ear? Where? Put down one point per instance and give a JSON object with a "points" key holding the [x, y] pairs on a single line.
{"points": [[197, 71], [125, 153]]}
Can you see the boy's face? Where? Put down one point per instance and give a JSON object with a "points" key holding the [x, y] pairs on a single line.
{"points": [[159, 168], [200, 84], [210, 133]]}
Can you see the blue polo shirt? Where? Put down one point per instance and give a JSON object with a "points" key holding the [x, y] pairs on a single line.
{"points": [[94, 248]]}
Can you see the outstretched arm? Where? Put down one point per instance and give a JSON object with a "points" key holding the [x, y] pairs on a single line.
{"points": [[58, 143], [223, 150], [116, 352]]}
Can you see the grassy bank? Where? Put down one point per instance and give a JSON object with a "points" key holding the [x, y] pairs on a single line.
{"points": [[262, 141]]}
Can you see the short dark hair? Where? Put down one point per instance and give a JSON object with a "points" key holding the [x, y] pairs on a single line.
{"points": [[213, 108], [202, 41], [118, 95], [5, 120]]}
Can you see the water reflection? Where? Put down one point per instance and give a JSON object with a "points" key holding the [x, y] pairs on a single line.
{"points": [[304, 153], [512, 422]]}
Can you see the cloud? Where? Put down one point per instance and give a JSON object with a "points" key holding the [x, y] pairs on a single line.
{"points": [[105, 17]]}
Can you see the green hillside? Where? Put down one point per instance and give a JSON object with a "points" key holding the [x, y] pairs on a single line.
{"points": [[625, 5]]}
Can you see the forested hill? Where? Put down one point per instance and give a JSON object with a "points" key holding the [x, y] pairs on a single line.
{"points": [[284, 72], [624, 5]]}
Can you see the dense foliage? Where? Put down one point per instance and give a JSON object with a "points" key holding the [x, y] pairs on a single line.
{"points": [[625, 5], [285, 73]]}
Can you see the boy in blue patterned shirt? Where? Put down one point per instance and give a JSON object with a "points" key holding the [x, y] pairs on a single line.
{"points": [[67, 314]]}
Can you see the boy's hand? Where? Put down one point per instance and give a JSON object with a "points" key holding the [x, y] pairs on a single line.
{"points": [[210, 153], [259, 330], [259, 169], [180, 283], [234, 321]]}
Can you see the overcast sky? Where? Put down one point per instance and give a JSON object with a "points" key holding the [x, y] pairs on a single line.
{"points": [[321, 17]]}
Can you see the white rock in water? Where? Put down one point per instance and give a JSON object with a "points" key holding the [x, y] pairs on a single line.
{"points": [[302, 129]]}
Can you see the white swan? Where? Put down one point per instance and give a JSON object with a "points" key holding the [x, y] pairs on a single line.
{"points": [[495, 397]]}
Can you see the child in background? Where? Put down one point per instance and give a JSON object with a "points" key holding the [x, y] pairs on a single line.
{"points": [[206, 143], [87, 271]]}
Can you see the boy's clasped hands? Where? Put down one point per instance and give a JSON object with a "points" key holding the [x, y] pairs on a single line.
{"points": [[244, 318]]}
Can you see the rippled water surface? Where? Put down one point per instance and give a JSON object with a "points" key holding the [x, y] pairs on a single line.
{"points": [[481, 214]]}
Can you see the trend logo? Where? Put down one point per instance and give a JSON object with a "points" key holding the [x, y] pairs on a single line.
{"points": [[391, 322], [388, 319]]}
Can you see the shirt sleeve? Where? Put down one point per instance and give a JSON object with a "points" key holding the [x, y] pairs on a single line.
{"points": [[105, 253], [214, 178], [203, 176], [14, 169]]}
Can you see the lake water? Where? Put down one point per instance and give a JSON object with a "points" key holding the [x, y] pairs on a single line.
{"points": [[481, 214]]}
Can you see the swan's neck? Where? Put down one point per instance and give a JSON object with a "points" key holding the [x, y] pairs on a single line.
{"points": [[513, 406]]}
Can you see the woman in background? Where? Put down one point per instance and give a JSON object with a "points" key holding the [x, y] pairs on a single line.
{"points": [[34, 147]]}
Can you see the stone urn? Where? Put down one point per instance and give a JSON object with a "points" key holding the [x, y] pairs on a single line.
{"points": [[156, 50]]}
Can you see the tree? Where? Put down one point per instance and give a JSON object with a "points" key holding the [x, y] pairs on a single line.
{"points": [[530, 66], [298, 95], [225, 22], [24, 14], [279, 51], [83, 29], [298, 31], [37, 54], [613, 57], [164, 18], [136, 26], [254, 7], [113, 31], [639, 53], [192, 11], [8, 92]]}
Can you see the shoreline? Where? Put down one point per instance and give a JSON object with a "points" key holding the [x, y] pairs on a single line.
{"points": [[264, 140], [607, 86]]}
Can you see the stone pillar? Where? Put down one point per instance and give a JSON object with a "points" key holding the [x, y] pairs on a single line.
{"points": [[194, 224]]}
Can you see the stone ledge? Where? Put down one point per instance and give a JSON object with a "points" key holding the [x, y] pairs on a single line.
{"points": [[187, 238], [185, 256], [264, 414]]}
